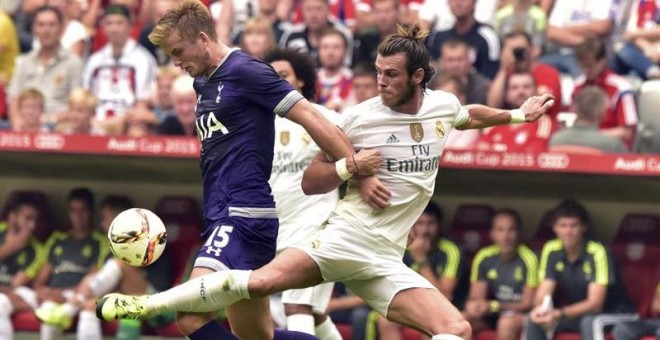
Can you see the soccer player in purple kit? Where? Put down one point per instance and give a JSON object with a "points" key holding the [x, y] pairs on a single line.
{"points": [[237, 99]]}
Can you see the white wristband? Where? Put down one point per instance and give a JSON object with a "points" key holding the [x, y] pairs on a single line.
{"points": [[342, 170], [517, 116]]}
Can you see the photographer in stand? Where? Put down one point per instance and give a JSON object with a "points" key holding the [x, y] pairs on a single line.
{"points": [[518, 57]]}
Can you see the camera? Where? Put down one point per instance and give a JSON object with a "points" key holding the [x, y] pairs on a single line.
{"points": [[519, 53]]}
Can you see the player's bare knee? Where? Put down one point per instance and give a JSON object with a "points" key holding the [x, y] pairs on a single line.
{"points": [[457, 326], [319, 318], [291, 309], [190, 322], [263, 283]]}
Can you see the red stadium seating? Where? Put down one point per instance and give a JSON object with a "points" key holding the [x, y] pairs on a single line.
{"points": [[470, 227], [45, 224], [544, 231], [25, 322], [182, 218], [643, 228]]}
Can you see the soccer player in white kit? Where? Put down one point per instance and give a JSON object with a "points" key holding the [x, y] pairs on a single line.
{"points": [[300, 216], [362, 243]]}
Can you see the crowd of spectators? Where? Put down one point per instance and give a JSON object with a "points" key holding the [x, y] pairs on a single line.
{"points": [[87, 66]]}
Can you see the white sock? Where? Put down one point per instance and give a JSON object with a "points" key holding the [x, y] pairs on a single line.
{"points": [[89, 326], [300, 323], [446, 337], [6, 309], [327, 330], [70, 309], [106, 279], [49, 332], [207, 293]]}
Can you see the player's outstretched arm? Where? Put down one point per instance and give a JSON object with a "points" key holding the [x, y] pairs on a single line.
{"points": [[323, 176], [326, 135], [532, 109]]}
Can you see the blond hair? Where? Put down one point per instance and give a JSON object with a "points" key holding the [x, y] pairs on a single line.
{"points": [[30, 93], [183, 84], [80, 95], [188, 18], [167, 71], [258, 25]]}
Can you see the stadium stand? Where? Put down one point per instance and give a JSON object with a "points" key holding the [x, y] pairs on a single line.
{"points": [[470, 227]]}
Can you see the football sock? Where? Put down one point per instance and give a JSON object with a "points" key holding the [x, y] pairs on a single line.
{"points": [[70, 309], [211, 331], [300, 323], [6, 327], [281, 334], [89, 326], [49, 332], [446, 337], [327, 330], [207, 293], [106, 279], [129, 330]]}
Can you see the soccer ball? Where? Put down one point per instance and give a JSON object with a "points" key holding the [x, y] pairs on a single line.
{"points": [[137, 237]]}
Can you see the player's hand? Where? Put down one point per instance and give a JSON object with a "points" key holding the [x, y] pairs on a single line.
{"points": [[536, 106], [367, 162], [374, 193], [16, 240], [420, 247], [476, 308]]}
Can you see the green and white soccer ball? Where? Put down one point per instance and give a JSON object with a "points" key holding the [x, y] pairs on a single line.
{"points": [[137, 237]]}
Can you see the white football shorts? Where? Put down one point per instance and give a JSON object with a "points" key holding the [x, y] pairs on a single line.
{"points": [[366, 262]]}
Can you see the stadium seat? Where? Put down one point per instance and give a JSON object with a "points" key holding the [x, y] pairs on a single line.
{"points": [[543, 232], [182, 218], [648, 134], [575, 149], [636, 248], [470, 227], [644, 228], [25, 322], [46, 222]]}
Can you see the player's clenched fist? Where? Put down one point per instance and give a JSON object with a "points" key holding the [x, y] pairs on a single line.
{"points": [[367, 162]]}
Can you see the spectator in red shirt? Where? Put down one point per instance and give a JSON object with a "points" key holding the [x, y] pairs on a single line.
{"points": [[334, 79], [621, 118], [528, 137], [517, 56]]}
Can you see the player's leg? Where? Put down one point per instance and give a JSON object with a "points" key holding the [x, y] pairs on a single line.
{"points": [[250, 319], [429, 312], [190, 322], [388, 330], [216, 290], [325, 328], [405, 297], [11, 303], [509, 326]]}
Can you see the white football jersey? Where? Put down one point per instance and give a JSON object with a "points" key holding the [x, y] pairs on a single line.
{"points": [[294, 150], [411, 146]]}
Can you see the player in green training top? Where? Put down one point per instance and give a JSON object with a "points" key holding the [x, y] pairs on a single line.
{"points": [[584, 272], [19, 261], [68, 257], [503, 279]]}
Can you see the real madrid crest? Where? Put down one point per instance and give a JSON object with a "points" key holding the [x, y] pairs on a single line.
{"points": [[439, 129], [285, 136], [306, 138], [416, 132]]}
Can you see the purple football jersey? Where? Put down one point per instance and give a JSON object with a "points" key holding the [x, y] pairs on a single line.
{"points": [[235, 123]]}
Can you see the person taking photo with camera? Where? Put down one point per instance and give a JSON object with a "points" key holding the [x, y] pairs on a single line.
{"points": [[517, 57]]}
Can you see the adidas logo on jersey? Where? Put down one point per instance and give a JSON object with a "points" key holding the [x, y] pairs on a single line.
{"points": [[392, 139]]}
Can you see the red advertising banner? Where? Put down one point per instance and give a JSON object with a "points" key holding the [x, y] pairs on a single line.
{"points": [[187, 147]]}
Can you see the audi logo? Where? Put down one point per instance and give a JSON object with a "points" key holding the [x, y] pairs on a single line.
{"points": [[49, 141], [553, 160]]}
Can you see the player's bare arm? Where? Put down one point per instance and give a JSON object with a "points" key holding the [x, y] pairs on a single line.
{"points": [[326, 135], [531, 110], [321, 175]]}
